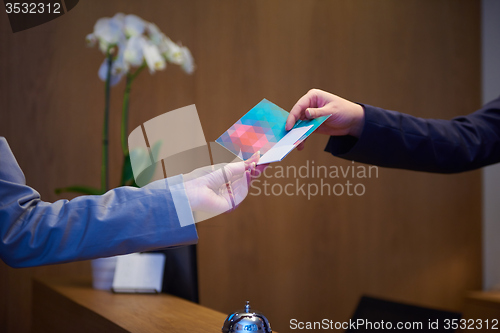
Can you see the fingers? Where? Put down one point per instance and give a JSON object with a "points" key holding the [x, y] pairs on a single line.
{"points": [[298, 109], [312, 113], [253, 159], [251, 163], [292, 119], [219, 190], [309, 106], [239, 189], [234, 171]]}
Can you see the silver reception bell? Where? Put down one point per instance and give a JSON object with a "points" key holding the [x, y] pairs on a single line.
{"points": [[244, 321]]}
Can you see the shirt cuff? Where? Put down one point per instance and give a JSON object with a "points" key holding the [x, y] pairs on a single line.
{"points": [[181, 201], [350, 147]]}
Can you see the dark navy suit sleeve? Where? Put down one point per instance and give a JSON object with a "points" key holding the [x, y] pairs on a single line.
{"points": [[124, 220], [397, 140]]}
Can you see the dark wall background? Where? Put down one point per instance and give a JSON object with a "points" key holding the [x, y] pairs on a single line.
{"points": [[412, 237]]}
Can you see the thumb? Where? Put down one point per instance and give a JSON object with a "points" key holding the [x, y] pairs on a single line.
{"points": [[235, 170], [312, 113]]}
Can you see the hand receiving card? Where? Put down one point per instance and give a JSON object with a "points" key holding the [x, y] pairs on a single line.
{"points": [[263, 129]]}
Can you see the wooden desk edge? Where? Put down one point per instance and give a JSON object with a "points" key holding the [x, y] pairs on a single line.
{"points": [[71, 304], [490, 297]]}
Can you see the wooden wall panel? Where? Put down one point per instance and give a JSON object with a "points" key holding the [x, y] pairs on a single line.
{"points": [[412, 236]]}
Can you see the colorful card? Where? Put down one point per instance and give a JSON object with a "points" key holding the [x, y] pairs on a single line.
{"points": [[263, 129]]}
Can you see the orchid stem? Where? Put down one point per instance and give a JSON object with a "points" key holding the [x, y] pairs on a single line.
{"points": [[105, 131], [126, 98]]}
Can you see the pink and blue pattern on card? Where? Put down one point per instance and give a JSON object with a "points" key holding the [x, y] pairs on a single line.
{"points": [[258, 130], [261, 128]]}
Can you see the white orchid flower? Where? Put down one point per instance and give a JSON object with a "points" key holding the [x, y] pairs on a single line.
{"points": [[134, 25], [188, 62], [153, 57], [133, 53], [108, 32], [101, 24], [91, 40], [119, 67], [103, 46], [133, 41], [154, 33], [103, 72], [171, 51], [120, 19]]}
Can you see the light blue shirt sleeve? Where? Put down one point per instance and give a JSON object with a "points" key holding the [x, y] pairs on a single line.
{"points": [[123, 220], [181, 201]]}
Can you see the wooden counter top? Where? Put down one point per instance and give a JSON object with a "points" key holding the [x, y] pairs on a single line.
{"points": [[72, 305]]}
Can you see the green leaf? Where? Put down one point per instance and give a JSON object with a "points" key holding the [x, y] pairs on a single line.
{"points": [[146, 176], [127, 173], [79, 189]]}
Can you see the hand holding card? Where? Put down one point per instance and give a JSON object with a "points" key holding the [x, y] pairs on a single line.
{"points": [[263, 129]]}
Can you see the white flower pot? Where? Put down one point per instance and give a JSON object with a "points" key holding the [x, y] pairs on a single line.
{"points": [[103, 272]]}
